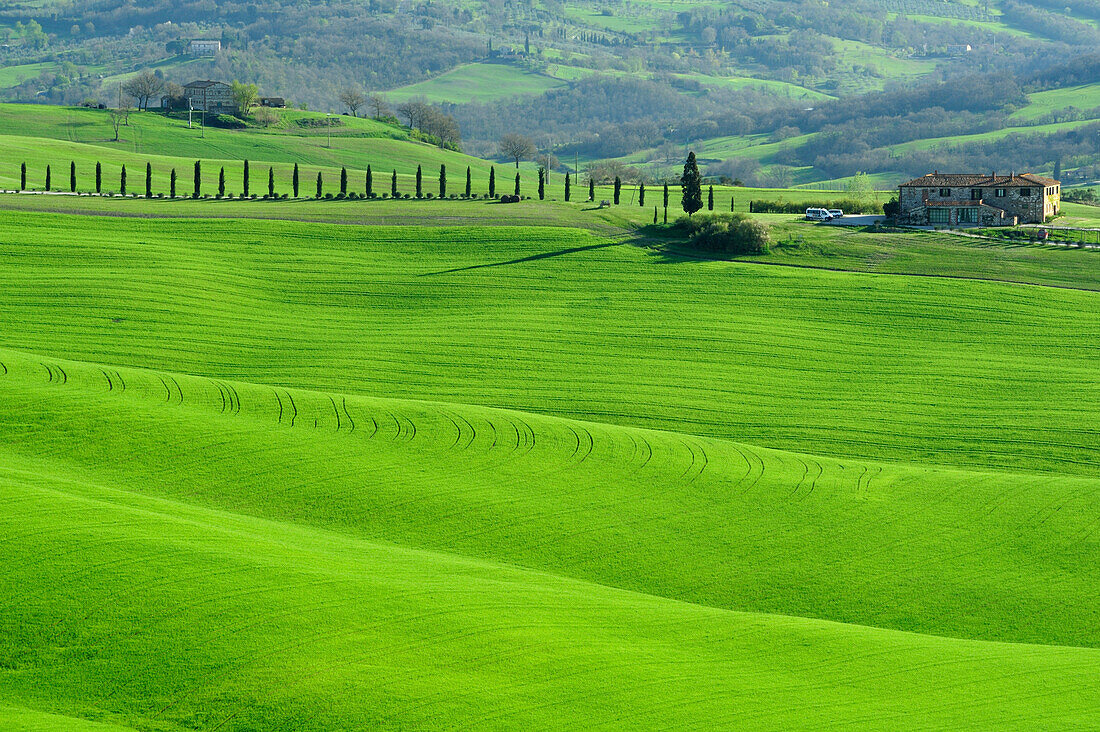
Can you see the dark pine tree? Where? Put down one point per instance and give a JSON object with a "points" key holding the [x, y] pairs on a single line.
{"points": [[618, 189], [271, 182], [23, 176], [419, 182], [731, 203], [244, 193], [654, 214], [393, 184], [542, 184], [517, 184], [198, 178], [692, 185], [567, 187], [72, 177], [121, 181], [641, 194], [469, 183], [320, 184], [710, 198], [591, 189], [344, 181], [294, 180], [369, 189], [48, 176], [148, 180], [221, 183], [442, 181], [172, 184], [666, 195], [98, 177], [492, 182]]}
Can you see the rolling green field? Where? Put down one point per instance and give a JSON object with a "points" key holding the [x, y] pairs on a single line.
{"points": [[480, 82], [456, 464]]}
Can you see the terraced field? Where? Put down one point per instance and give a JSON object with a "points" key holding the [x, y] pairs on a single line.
{"points": [[265, 474]]}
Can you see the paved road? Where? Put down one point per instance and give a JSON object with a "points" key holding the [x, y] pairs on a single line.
{"points": [[854, 221]]}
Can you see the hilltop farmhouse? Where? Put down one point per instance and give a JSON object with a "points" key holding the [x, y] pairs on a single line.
{"points": [[210, 96], [205, 47], [978, 199]]}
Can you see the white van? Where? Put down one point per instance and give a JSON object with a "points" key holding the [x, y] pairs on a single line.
{"points": [[818, 214]]}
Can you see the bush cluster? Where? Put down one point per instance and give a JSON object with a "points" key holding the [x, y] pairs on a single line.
{"points": [[847, 205], [726, 233]]}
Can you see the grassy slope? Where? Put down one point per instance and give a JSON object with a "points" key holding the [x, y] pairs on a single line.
{"points": [[592, 329], [478, 82], [409, 565]]}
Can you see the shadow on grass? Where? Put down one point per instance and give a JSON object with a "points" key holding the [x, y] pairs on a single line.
{"points": [[521, 260]]}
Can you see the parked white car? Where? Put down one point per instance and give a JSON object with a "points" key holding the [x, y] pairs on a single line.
{"points": [[836, 213], [818, 214]]}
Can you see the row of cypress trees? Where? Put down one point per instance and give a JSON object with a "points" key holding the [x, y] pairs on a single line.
{"points": [[690, 181]]}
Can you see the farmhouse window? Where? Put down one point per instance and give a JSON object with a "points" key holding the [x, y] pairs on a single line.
{"points": [[1025, 193], [968, 215], [937, 215], [945, 193], [975, 194], [1000, 193]]}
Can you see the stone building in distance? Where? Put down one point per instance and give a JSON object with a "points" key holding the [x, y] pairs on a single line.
{"points": [[978, 199]]}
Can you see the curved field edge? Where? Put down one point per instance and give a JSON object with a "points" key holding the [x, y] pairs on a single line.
{"points": [[984, 555], [561, 321]]}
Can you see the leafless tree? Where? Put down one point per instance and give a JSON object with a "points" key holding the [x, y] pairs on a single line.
{"points": [[414, 112], [353, 99], [144, 87], [378, 105], [516, 147], [116, 117]]}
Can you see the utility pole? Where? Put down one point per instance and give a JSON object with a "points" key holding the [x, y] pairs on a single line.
{"points": [[328, 129], [202, 130], [190, 109]]}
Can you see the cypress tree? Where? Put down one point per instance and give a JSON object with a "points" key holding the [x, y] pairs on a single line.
{"points": [[198, 178], [710, 198], [618, 189], [72, 177], [517, 184], [655, 214], [121, 181], [148, 180], [271, 182], [691, 184], [666, 195], [370, 183], [542, 184], [344, 180], [731, 203], [221, 183], [320, 184], [666, 214], [492, 182], [48, 176], [244, 194], [591, 189], [393, 184], [98, 177], [469, 183], [23, 176], [567, 188], [172, 184], [442, 181], [419, 182], [294, 180], [641, 194]]}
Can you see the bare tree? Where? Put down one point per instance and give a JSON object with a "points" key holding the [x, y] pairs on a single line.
{"points": [[116, 117], [414, 111], [353, 99], [516, 147], [144, 87], [378, 105]]}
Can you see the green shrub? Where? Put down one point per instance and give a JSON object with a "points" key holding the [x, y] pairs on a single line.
{"points": [[227, 121], [328, 196], [726, 233]]}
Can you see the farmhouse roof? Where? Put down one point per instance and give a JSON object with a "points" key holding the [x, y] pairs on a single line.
{"points": [[203, 84], [948, 180]]}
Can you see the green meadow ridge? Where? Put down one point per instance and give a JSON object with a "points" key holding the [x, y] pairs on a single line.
{"points": [[526, 467]]}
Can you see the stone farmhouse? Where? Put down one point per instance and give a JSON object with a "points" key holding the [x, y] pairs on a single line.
{"points": [[210, 96], [951, 199], [205, 47]]}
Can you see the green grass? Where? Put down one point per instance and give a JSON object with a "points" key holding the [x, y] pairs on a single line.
{"points": [[1086, 96], [478, 82], [940, 142], [12, 75]]}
